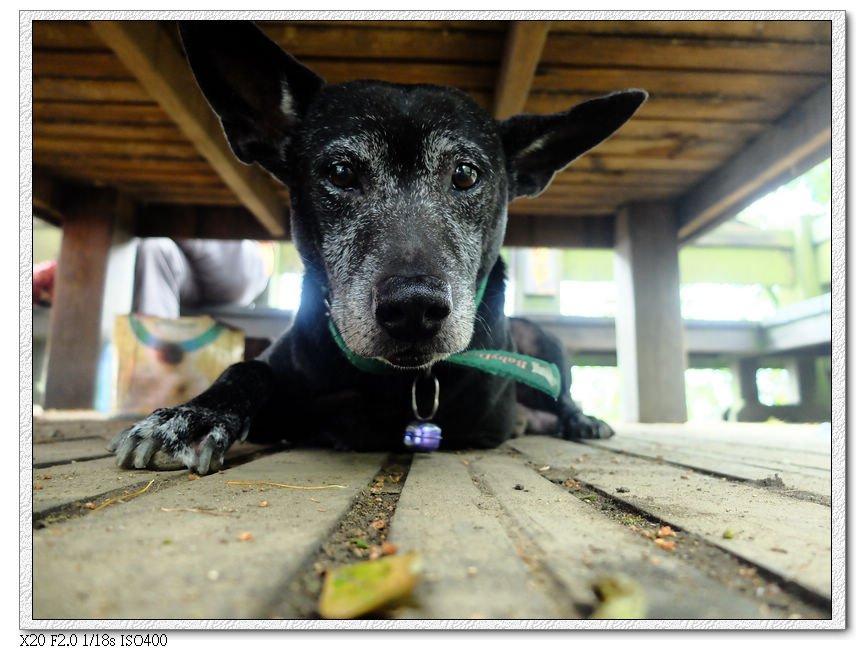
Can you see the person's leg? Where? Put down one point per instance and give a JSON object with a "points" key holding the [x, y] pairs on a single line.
{"points": [[226, 272], [163, 279]]}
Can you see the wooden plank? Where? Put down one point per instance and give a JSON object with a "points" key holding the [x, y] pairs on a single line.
{"points": [[134, 177], [465, 548], [703, 54], [65, 34], [88, 222], [393, 40], [716, 84], [73, 485], [129, 166], [109, 112], [530, 230], [68, 451], [150, 54], [789, 537], [615, 179], [87, 147], [474, 77], [126, 132], [89, 90], [808, 438], [753, 171], [784, 31], [684, 129], [563, 193], [83, 64], [525, 42], [794, 469], [53, 426], [538, 208], [199, 221], [190, 197], [668, 148], [669, 107], [600, 161], [719, 86], [137, 561], [579, 544]]}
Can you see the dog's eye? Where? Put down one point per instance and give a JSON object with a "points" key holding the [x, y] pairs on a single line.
{"points": [[341, 175], [465, 177]]}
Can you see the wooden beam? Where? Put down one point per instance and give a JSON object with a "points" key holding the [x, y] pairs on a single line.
{"points": [[560, 232], [149, 52], [522, 53], [798, 140], [199, 222], [46, 197]]}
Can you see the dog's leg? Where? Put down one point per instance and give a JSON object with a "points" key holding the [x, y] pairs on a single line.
{"points": [[543, 415], [197, 434]]}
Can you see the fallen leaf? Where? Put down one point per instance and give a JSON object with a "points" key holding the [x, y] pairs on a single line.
{"points": [[620, 598], [665, 544], [361, 588], [666, 531]]}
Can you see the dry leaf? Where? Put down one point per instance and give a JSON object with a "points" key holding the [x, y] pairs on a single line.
{"points": [[358, 589]]}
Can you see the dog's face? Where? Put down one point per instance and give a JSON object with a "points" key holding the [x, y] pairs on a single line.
{"points": [[399, 193]]}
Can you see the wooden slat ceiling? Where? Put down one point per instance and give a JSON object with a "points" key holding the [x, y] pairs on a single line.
{"points": [[715, 88]]}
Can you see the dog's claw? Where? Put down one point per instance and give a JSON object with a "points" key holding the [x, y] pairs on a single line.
{"points": [[144, 453], [124, 452], [203, 466], [189, 436]]}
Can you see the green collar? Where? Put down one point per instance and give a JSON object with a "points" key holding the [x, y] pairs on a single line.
{"points": [[538, 374]]}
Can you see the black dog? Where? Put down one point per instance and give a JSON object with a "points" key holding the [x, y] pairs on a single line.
{"points": [[399, 198]]}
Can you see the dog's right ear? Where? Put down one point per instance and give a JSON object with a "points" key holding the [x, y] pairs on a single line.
{"points": [[258, 91]]}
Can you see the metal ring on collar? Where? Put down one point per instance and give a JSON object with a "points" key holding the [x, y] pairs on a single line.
{"points": [[435, 406]]}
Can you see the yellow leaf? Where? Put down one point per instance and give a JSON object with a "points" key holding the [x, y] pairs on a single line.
{"points": [[361, 588]]}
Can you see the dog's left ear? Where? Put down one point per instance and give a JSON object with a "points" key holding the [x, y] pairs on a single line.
{"points": [[537, 146], [258, 91]]}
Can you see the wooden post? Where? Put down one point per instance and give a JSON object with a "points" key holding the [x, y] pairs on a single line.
{"points": [[76, 312], [745, 376], [649, 331]]}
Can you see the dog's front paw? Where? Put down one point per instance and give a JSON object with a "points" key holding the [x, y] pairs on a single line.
{"points": [[183, 436], [576, 425]]}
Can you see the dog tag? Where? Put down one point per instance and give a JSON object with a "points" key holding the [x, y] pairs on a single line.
{"points": [[421, 434]]}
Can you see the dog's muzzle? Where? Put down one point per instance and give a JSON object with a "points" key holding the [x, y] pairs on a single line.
{"points": [[412, 309]]}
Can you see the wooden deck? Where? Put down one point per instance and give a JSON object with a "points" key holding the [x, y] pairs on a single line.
{"points": [[521, 532]]}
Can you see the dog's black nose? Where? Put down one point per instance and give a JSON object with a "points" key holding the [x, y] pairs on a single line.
{"points": [[412, 308]]}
